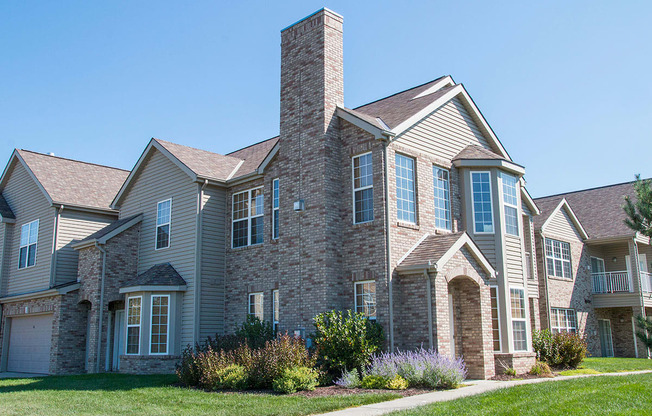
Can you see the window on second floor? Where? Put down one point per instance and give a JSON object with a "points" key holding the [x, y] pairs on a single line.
{"points": [[441, 179], [363, 189], [510, 201], [163, 219], [405, 201], [558, 259], [483, 217], [28, 241], [248, 222], [275, 208], [365, 298]]}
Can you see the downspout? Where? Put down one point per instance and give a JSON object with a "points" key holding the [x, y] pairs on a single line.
{"points": [[101, 306], [53, 266], [429, 298], [389, 252], [545, 277], [198, 254], [637, 264]]}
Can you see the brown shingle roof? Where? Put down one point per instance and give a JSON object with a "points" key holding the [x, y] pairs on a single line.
{"points": [[202, 162], [397, 108], [72, 182], [253, 156], [476, 152], [158, 275], [432, 248], [600, 210]]}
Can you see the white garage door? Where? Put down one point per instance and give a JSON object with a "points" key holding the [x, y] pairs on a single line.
{"points": [[29, 344]]}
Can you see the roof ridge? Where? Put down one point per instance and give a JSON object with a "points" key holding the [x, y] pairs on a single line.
{"points": [[194, 148], [587, 189], [400, 92], [253, 144], [72, 160]]}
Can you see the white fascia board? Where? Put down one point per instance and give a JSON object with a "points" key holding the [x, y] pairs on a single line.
{"points": [[576, 222], [269, 158], [235, 169], [525, 196], [153, 288], [31, 175], [363, 124], [7, 220], [465, 240], [490, 163], [447, 81]]}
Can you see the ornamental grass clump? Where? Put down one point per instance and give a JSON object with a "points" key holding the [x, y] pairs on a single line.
{"points": [[420, 368]]}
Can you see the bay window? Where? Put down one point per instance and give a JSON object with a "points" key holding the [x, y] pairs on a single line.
{"points": [[134, 317], [510, 201], [160, 324], [483, 217], [519, 324], [441, 178]]}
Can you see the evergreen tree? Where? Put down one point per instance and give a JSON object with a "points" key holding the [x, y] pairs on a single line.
{"points": [[639, 212]]}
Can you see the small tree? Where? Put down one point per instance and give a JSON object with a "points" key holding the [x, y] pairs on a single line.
{"points": [[644, 325], [639, 212]]}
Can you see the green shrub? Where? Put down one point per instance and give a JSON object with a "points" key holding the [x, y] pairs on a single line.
{"points": [[540, 368], [232, 376], [188, 370], [397, 383], [510, 371], [373, 382], [565, 350], [346, 340], [255, 332], [266, 364], [295, 379]]}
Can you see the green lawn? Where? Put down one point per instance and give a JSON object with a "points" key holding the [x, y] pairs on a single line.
{"points": [[135, 395], [594, 365], [623, 395]]}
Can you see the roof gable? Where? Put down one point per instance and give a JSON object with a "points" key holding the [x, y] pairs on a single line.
{"points": [[566, 208]]}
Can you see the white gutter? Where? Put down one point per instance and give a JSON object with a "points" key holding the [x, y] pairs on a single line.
{"points": [[101, 307], [429, 299], [389, 251], [53, 257]]}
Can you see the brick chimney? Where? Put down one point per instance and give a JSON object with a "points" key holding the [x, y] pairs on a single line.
{"points": [[309, 162]]}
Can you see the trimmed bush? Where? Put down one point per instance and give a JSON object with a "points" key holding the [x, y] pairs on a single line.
{"points": [[373, 382], [268, 363], [540, 368], [346, 340], [563, 350], [255, 332], [397, 383], [295, 379], [350, 380], [420, 368], [231, 377]]}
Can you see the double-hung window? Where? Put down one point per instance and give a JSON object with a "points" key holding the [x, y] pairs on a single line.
{"points": [[248, 222], [558, 259], [365, 298], [441, 179], [519, 325], [483, 217], [510, 201], [275, 208], [405, 205], [563, 320], [256, 305], [160, 321], [163, 218], [275, 309], [134, 316], [28, 240], [495, 318], [363, 189]]}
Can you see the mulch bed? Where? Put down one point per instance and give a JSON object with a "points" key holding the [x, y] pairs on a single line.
{"points": [[341, 391]]}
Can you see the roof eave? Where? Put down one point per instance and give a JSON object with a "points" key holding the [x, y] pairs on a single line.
{"points": [[490, 163], [377, 132], [153, 288]]}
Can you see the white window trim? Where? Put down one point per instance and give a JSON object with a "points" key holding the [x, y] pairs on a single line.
{"points": [[20, 247], [450, 204], [491, 203], [500, 330], [262, 303], [169, 224], [363, 188], [167, 331], [355, 297], [507, 204], [127, 325], [546, 257], [274, 209], [248, 218], [566, 328], [276, 298], [414, 187], [524, 319]]}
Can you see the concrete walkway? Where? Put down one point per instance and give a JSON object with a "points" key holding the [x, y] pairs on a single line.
{"points": [[476, 387]]}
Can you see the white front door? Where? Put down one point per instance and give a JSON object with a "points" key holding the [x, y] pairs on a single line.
{"points": [[118, 338], [451, 323], [606, 343]]}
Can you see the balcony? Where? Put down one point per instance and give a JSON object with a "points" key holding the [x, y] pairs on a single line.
{"points": [[612, 282]]}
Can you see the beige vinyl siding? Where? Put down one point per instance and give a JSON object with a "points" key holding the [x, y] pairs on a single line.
{"points": [[615, 300], [213, 262], [445, 132], [526, 210], [3, 234], [514, 259], [73, 227], [28, 203], [487, 244], [161, 179], [562, 228]]}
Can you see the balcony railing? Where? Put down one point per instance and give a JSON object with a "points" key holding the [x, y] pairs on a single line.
{"points": [[611, 282], [646, 282]]}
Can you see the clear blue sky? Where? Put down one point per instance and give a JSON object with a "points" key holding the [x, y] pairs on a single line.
{"points": [[566, 86]]}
